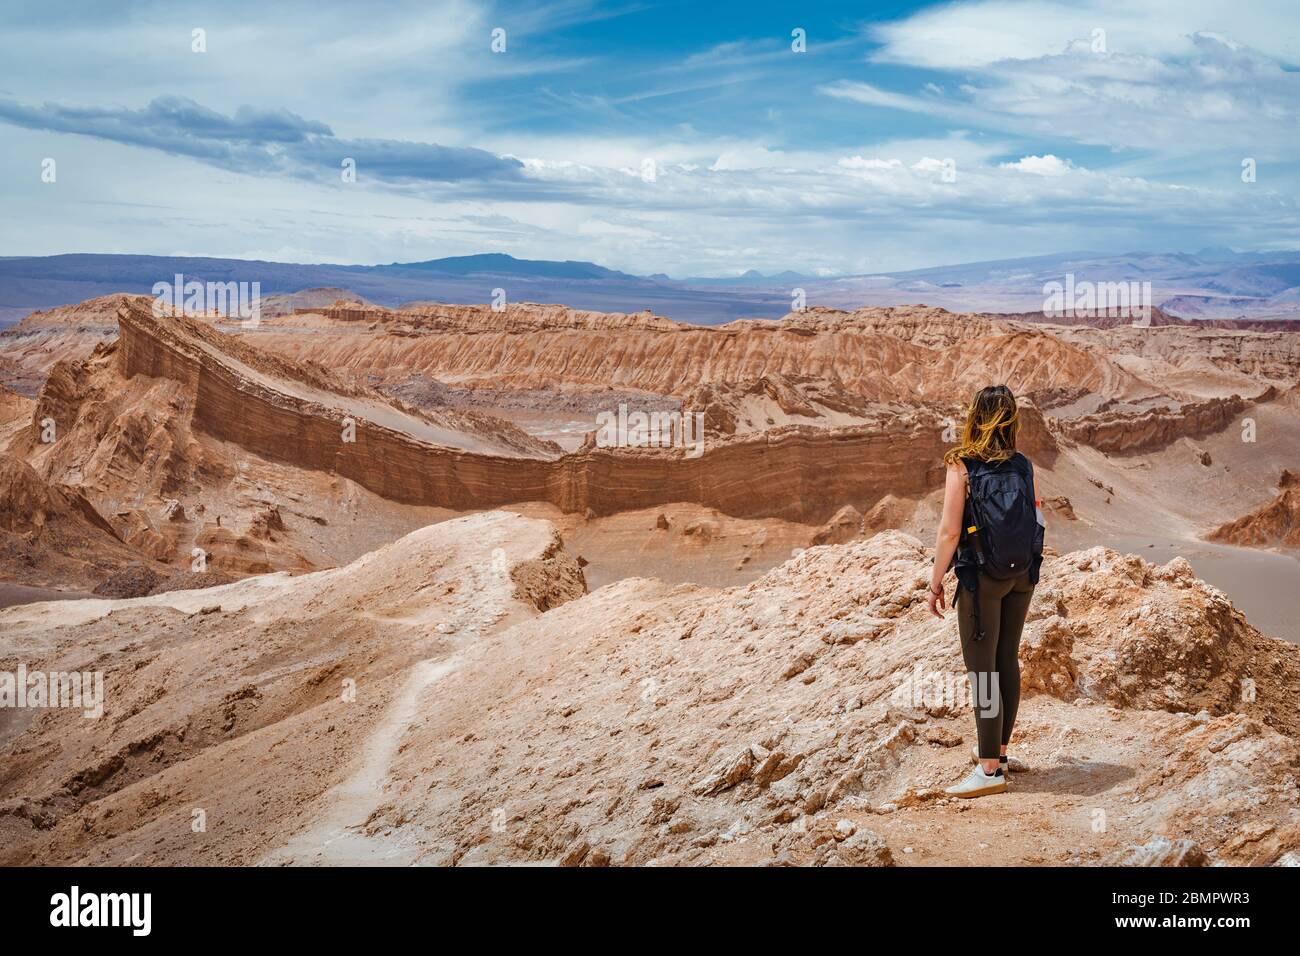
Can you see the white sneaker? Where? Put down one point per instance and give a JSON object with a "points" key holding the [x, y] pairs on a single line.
{"points": [[977, 783], [1002, 761]]}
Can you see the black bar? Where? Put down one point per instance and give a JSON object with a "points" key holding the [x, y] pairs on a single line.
{"points": [[932, 906]]}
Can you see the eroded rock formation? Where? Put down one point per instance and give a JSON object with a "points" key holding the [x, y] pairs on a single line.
{"points": [[873, 354], [1129, 433], [241, 687], [133, 414], [51, 535], [1276, 524]]}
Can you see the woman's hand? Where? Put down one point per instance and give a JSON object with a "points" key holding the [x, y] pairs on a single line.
{"points": [[937, 605]]}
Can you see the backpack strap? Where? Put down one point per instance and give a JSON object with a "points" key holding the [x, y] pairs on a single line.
{"points": [[970, 533], [970, 530]]}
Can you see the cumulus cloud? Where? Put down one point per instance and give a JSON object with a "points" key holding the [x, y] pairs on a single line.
{"points": [[979, 33], [923, 189], [859, 162], [928, 164], [1221, 95], [1048, 165], [1100, 74]]}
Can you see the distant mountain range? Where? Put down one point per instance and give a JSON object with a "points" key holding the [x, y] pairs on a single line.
{"points": [[29, 283], [498, 263], [1213, 283]]}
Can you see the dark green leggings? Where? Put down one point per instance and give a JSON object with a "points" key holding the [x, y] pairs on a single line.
{"points": [[993, 663]]}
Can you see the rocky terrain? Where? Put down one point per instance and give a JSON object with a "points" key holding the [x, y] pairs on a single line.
{"points": [[877, 353], [251, 699], [459, 699], [326, 431], [880, 354], [155, 427], [1127, 433], [369, 586], [51, 535], [15, 413], [146, 426], [43, 339], [1277, 524]]}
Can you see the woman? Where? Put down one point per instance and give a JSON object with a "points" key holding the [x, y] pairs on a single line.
{"points": [[993, 528]]}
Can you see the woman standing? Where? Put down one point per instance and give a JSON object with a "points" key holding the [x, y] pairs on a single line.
{"points": [[991, 534]]}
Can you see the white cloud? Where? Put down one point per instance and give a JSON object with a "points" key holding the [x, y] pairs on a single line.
{"points": [[870, 95], [309, 57], [1214, 95], [928, 164], [858, 162], [1156, 125], [749, 157], [1048, 165], [979, 33]]}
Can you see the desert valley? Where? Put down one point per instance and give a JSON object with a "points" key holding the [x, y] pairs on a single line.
{"points": [[367, 584]]}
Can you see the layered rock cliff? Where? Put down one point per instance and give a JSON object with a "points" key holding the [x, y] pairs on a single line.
{"points": [[1129, 433], [875, 354], [182, 379]]}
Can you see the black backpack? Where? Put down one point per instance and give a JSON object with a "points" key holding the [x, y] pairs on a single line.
{"points": [[1000, 527]]}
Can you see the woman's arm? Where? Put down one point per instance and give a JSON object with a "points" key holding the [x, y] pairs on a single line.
{"points": [[949, 533]]}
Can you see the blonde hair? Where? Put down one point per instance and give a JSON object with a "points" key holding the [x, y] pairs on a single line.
{"points": [[992, 423]]}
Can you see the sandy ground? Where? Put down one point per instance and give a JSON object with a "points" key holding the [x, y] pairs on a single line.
{"points": [[566, 430], [1261, 583], [11, 594], [272, 704]]}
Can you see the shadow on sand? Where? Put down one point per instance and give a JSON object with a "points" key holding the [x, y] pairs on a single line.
{"points": [[1082, 778]]}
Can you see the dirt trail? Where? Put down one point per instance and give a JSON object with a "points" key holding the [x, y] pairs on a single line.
{"points": [[342, 837], [288, 700], [349, 830]]}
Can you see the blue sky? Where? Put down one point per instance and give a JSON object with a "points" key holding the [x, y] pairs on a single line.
{"points": [[683, 138]]}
